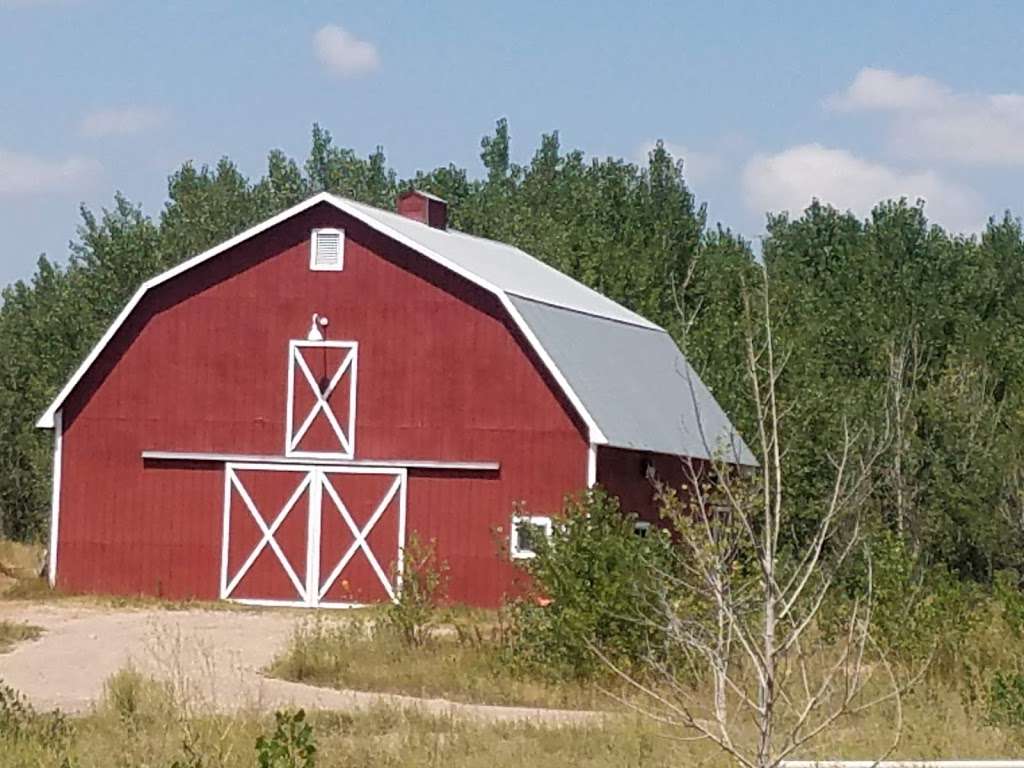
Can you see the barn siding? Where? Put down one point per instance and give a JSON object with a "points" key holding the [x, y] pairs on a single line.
{"points": [[202, 366], [620, 471]]}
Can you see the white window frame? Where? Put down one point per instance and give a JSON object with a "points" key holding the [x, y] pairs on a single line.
{"points": [[642, 525], [340, 266], [519, 552], [295, 430]]}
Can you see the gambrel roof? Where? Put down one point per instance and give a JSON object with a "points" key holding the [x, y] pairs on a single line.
{"points": [[624, 375]]}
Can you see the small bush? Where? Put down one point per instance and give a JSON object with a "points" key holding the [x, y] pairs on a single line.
{"points": [[424, 579], [291, 745], [137, 700], [49, 732], [918, 614], [1006, 700], [595, 584], [319, 650]]}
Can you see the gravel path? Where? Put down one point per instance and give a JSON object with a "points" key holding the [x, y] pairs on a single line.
{"points": [[215, 657]]}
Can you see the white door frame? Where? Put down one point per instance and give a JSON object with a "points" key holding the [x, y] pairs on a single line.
{"points": [[316, 481], [294, 433]]}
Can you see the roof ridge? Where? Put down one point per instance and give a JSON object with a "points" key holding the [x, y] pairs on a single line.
{"points": [[648, 325]]}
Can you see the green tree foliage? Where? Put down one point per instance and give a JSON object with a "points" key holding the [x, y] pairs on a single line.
{"points": [[891, 310]]}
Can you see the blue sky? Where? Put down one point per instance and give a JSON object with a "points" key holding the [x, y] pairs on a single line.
{"points": [[769, 103]]}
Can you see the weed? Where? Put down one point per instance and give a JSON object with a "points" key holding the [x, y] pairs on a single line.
{"points": [[424, 579], [291, 745]]}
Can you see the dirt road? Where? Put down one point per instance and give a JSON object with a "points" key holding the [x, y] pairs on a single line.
{"points": [[214, 657]]}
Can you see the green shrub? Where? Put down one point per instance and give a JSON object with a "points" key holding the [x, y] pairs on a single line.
{"points": [[291, 745], [50, 732], [424, 578], [919, 614], [595, 585], [1006, 700]]}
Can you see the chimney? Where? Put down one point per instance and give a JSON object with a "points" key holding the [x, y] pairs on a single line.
{"points": [[423, 207]]}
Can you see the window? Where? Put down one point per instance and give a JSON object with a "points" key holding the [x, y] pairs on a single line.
{"points": [[526, 534], [327, 250], [641, 528]]}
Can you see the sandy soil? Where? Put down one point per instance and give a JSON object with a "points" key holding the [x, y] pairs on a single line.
{"points": [[214, 657]]}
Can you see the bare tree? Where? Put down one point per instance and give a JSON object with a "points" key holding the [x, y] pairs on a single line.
{"points": [[905, 369], [747, 609]]}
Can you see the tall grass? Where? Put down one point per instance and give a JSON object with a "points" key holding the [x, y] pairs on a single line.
{"points": [[947, 714], [459, 662], [140, 722]]}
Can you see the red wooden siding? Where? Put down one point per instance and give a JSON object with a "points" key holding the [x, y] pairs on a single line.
{"points": [[621, 472], [202, 366]]}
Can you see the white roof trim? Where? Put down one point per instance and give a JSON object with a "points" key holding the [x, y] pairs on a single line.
{"points": [[596, 436]]}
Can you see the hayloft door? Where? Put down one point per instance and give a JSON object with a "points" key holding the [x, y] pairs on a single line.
{"points": [[321, 407]]}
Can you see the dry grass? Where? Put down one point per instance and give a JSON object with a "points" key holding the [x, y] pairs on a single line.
{"points": [[941, 718], [12, 633], [460, 663], [20, 566], [139, 722], [143, 722]]}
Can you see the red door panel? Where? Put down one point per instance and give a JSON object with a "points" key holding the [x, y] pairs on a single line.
{"points": [[266, 529]]}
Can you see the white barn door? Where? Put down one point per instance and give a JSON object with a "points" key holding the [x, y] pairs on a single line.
{"points": [[312, 535]]}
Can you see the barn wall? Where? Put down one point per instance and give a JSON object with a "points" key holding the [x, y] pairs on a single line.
{"points": [[202, 366], [621, 472]]}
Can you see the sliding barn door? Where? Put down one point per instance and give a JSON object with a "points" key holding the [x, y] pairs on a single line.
{"points": [[310, 535], [362, 532]]}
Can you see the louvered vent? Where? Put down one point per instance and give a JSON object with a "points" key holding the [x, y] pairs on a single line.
{"points": [[327, 250]]}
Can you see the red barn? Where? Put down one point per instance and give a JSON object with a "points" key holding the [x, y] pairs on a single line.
{"points": [[270, 421]]}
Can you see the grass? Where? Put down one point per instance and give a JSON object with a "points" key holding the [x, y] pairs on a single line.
{"points": [[945, 716], [459, 663], [143, 722], [140, 722], [12, 633]]}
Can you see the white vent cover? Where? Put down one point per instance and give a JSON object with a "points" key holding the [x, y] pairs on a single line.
{"points": [[327, 250]]}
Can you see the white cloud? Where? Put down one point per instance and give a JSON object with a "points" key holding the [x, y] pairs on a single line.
{"points": [[931, 120], [698, 166], [25, 174], [342, 53], [883, 89], [120, 121], [790, 179]]}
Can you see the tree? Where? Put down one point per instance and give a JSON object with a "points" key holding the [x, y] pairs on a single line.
{"points": [[743, 604]]}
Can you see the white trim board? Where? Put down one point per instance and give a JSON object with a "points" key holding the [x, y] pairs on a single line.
{"points": [[58, 440], [46, 421], [217, 458]]}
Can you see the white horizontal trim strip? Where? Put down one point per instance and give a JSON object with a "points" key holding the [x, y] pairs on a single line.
{"points": [[262, 603], [461, 466]]}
